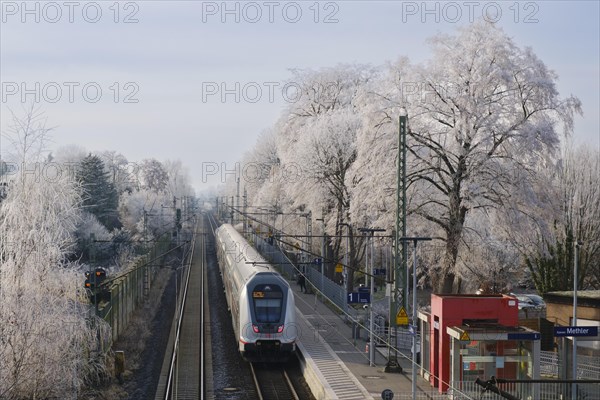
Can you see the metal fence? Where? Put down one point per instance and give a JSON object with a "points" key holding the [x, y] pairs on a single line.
{"points": [[130, 290], [588, 367], [527, 391], [549, 364], [315, 281]]}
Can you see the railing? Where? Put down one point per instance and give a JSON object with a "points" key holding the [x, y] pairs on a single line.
{"points": [[129, 290], [549, 364], [588, 367], [334, 292], [527, 391]]}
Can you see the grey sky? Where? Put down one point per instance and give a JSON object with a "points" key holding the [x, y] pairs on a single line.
{"points": [[176, 49]]}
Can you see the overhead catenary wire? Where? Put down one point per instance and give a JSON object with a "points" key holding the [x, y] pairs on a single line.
{"points": [[331, 303]]}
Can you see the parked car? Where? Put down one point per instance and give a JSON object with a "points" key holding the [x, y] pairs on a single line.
{"points": [[537, 300], [525, 302]]}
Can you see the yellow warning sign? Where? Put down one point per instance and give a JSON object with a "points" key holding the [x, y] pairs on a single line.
{"points": [[402, 317], [464, 337], [339, 268]]}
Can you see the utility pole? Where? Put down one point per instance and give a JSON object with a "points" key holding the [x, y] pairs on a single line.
{"points": [[92, 275], [372, 284], [322, 219], [415, 240], [574, 323], [400, 281], [346, 282], [237, 199], [245, 209], [309, 239]]}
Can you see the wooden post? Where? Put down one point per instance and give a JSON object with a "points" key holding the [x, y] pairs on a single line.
{"points": [[119, 365]]}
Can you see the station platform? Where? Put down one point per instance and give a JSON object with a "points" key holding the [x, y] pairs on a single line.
{"points": [[337, 365]]}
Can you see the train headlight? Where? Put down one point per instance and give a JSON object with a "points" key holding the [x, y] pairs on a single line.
{"points": [[280, 329], [255, 328]]}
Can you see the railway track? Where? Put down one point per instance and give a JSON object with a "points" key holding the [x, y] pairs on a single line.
{"points": [[230, 376], [182, 375], [272, 382]]}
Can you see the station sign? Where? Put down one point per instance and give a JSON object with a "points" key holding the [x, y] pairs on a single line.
{"points": [[359, 298], [379, 271], [572, 331], [524, 336]]}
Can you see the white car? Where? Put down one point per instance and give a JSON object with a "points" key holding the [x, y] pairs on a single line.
{"points": [[525, 302], [537, 300]]}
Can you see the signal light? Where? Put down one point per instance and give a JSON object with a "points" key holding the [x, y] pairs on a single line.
{"points": [[280, 329], [94, 279], [255, 328]]}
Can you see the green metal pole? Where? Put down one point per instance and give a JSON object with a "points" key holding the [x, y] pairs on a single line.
{"points": [[403, 124], [399, 278]]}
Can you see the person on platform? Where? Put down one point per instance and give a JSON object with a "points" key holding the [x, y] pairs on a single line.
{"points": [[302, 283]]}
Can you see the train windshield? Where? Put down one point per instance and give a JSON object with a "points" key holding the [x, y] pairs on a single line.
{"points": [[267, 303]]}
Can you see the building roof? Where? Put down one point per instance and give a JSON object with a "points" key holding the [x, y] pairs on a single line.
{"points": [[589, 298]]}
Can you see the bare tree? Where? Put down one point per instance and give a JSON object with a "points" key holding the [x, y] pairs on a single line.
{"points": [[27, 135]]}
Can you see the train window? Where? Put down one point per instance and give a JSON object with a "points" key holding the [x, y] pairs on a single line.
{"points": [[267, 303], [267, 310]]}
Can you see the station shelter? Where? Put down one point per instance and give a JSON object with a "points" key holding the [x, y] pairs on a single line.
{"points": [[466, 337]]}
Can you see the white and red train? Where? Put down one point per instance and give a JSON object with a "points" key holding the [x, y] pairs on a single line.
{"points": [[261, 302]]}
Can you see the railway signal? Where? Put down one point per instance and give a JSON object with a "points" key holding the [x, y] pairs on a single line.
{"points": [[93, 282]]}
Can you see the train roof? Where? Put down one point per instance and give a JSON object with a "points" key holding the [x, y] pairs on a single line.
{"points": [[249, 261]]}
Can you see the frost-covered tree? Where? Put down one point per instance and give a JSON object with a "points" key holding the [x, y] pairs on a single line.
{"points": [[572, 213], [48, 342], [27, 136], [46, 339], [153, 175], [484, 119], [484, 114], [327, 146], [178, 180], [122, 173], [585, 175], [100, 196], [316, 140], [257, 167], [69, 157], [147, 212]]}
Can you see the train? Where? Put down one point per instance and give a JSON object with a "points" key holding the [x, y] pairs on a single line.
{"points": [[260, 300]]}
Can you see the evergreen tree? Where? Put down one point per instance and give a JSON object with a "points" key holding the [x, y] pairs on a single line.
{"points": [[100, 196]]}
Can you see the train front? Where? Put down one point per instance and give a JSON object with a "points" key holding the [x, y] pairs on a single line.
{"points": [[269, 331]]}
